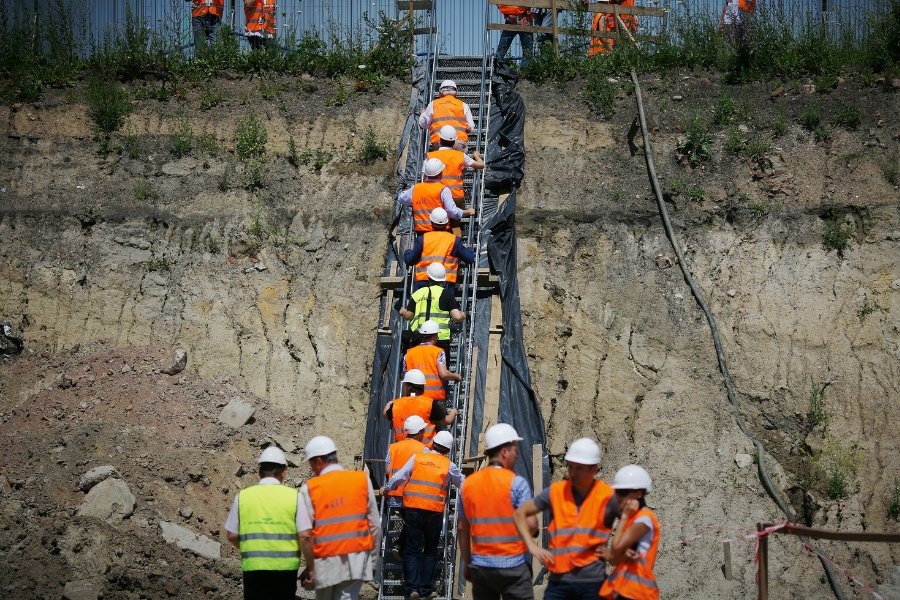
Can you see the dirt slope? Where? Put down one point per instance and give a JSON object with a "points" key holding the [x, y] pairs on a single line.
{"points": [[116, 260]]}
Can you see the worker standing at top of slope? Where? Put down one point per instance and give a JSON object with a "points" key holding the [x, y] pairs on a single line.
{"points": [[606, 23], [495, 559], [398, 454], [447, 110], [583, 512], [436, 302], [437, 246], [340, 525], [455, 162], [426, 478], [264, 524], [636, 542], [206, 16], [431, 359], [259, 22], [414, 402], [516, 15], [427, 195]]}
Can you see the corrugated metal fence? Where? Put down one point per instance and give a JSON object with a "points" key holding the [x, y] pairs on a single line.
{"points": [[461, 22]]}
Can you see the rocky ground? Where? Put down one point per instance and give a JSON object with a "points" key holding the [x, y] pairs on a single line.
{"points": [[108, 264]]}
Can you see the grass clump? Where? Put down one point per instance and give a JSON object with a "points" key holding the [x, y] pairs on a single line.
{"points": [[756, 148], [212, 244], [182, 138], [108, 105], [372, 150], [734, 143], [694, 146], [142, 190], [847, 116], [817, 411], [251, 138], [836, 235], [210, 99], [696, 194], [599, 94], [867, 308], [835, 468], [890, 168], [725, 110], [811, 117], [780, 124]]}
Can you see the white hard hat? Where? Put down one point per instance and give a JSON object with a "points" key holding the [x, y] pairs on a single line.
{"points": [[433, 167], [415, 377], [414, 424], [439, 216], [319, 446], [448, 84], [436, 271], [444, 439], [448, 132], [273, 454], [500, 434], [429, 327], [632, 477], [584, 451]]}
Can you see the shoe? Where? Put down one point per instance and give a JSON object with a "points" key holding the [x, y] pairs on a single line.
{"points": [[414, 596]]}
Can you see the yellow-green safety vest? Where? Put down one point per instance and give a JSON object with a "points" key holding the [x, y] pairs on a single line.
{"points": [[267, 526], [428, 306]]}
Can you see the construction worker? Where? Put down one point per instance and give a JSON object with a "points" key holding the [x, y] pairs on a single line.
{"points": [[431, 359], [414, 402], [438, 245], [206, 16], [340, 526], [259, 20], [434, 303], [398, 453], [447, 110], [455, 162], [425, 478], [636, 541], [264, 524], [495, 559], [516, 15], [606, 23], [427, 195], [583, 516]]}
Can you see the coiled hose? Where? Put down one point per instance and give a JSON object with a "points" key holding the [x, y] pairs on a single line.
{"points": [[714, 330]]}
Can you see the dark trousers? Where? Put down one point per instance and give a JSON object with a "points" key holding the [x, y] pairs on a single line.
{"points": [[508, 584], [270, 585], [205, 31], [421, 539], [574, 590]]}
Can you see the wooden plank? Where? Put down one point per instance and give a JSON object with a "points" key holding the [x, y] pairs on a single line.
{"points": [[596, 34], [555, 27], [423, 30], [726, 547], [470, 401], [391, 282], [494, 363], [485, 278], [593, 7], [846, 536], [537, 477], [414, 5]]}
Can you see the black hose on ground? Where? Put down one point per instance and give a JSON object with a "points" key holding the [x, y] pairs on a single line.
{"points": [[714, 330]]}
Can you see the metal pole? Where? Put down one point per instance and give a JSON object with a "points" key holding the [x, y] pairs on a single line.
{"points": [[763, 566]]}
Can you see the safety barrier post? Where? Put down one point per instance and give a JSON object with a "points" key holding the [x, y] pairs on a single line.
{"points": [[762, 572]]}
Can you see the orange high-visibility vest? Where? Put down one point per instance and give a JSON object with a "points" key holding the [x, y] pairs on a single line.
{"points": [[408, 406], [634, 578], [426, 197], [201, 8], [512, 11], [575, 533], [454, 163], [424, 357], [428, 483], [340, 500], [607, 23], [489, 510], [747, 5], [261, 17], [399, 453], [448, 110], [437, 246]]}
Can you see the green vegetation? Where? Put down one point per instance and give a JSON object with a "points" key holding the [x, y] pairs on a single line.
{"points": [[210, 99], [212, 244], [817, 412], [182, 137], [695, 145], [893, 510], [835, 467], [318, 158], [599, 94], [733, 141], [725, 110], [251, 138], [160, 263], [847, 116], [890, 167], [372, 150], [822, 133], [696, 194], [836, 235], [811, 117], [780, 124], [756, 148], [293, 156], [108, 105], [142, 189], [867, 308]]}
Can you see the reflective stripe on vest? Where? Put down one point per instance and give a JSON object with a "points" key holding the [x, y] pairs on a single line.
{"points": [[426, 197], [428, 307], [399, 453], [340, 501], [489, 510], [428, 483], [454, 163], [635, 578], [408, 406], [424, 357], [267, 528], [576, 532], [260, 18], [448, 110], [202, 8], [437, 246]]}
